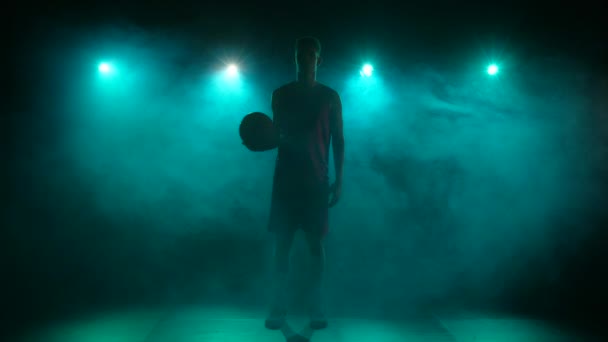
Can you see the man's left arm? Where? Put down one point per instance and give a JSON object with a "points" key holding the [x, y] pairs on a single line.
{"points": [[337, 141]]}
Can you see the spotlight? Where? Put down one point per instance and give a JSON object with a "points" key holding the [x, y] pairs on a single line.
{"points": [[492, 69], [367, 70], [232, 70], [104, 68]]}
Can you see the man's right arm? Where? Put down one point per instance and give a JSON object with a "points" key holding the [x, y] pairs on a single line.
{"points": [[274, 100], [276, 115]]}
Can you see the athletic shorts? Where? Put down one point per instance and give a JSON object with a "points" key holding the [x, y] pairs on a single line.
{"points": [[300, 205]]}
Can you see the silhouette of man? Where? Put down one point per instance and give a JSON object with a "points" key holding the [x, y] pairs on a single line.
{"points": [[308, 116]]}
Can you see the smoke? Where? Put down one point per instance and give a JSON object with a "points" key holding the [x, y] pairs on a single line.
{"points": [[456, 185], [472, 177]]}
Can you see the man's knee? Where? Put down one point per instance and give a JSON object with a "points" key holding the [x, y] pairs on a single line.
{"points": [[315, 243], [284, 240]]}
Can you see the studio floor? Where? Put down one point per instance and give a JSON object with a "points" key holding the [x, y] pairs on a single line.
{"points": [[228, 324]]}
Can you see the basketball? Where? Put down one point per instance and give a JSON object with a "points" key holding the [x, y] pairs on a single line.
{"points": [[258, 132]]}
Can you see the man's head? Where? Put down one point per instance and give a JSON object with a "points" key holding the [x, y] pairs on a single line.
{"points": [[308, 54]]}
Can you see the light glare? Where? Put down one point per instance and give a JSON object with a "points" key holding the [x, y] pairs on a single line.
{"points": [[232, 70], [493, 69], [367, 70], [104, 68]]}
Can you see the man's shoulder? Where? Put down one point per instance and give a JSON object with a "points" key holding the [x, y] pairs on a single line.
{"points": [[328, 91], [325, 86], [284, 87]]}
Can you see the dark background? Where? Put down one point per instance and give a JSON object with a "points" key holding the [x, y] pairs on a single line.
{"points": [[65, 256]]}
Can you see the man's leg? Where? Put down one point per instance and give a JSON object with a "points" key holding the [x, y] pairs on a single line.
{"points": [[278, 310], [314, 237], [282, 250]]}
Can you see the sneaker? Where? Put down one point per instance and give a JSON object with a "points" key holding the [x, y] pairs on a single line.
{"points": [[276, 319]]}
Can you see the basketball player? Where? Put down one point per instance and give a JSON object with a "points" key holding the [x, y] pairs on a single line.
{"points": [[308, 116]]}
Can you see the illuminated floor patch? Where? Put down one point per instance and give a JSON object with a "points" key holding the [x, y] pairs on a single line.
{"points": [[225, 325], [467, 326], [120, 326], [228, 324]]}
